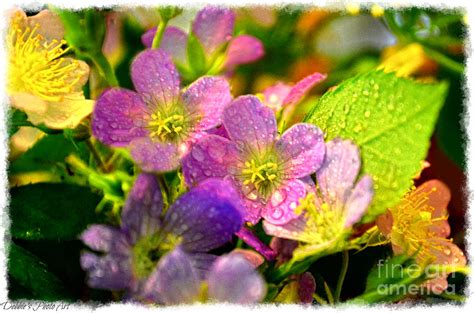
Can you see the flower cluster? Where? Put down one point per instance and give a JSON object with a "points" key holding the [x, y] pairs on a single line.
{"points": [[206, 191]]}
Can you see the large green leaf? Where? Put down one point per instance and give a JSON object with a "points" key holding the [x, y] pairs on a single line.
{"points": [[47, 154], [51, 211], [27, 270], [391, 119]]}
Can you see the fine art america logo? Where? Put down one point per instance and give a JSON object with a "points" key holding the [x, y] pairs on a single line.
{"points": [[408, 283]]}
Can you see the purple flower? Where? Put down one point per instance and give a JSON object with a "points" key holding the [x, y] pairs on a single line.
{"points": [[328, 215], [213, 27], [265, 169], [231, 278], [158, 122], [281, 95], [197, 222]]}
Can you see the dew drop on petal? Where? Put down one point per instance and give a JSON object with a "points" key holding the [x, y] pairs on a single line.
{"points": [[278, 197], [252, 195], [198, 154], [277, 214]]}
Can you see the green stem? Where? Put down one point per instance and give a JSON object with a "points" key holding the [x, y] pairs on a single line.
{"points": [[445, 61], [342, 275], [100, 61], [96, 155], [159, 33]]}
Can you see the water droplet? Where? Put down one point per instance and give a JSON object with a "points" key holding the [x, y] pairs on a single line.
{"points": [[447, 251], [278, 197], [367, 114], [198, 154], [252, 195], [277, 214]]}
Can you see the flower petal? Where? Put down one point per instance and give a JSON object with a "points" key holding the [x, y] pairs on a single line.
{"points": [[445, 253], [338, 172], [250, 124], [233, 279], [243, 49], [141, 212], [174, 280], [252, 208], [251, 256], [306, 287], [107, 272], [280, 209], [202, 263], [211, 156], [213, 26], [206, 99], [67, 113], [284, 248], [50, 25], [385, 222], [154, 75], [293, 230], [299, 90], [359, 200], [173, 42], [105, 238], [302, 150], [118, 117], [154, 156], [29, 103], [275, 95], [438, 197], [206, 217]]}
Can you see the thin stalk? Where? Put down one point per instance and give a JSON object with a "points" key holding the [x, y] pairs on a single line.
{"points": [[95, 154], [445, 61], [160, 30], [342, 275]]}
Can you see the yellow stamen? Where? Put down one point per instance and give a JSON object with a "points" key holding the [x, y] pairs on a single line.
{"points": [[166, 128], [412, 226], [36, 65]]}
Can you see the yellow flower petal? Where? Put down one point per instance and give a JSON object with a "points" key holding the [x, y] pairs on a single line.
{"points": [[404, 61], [64, 114], [23, 140], [50, 25], [28, 103]]}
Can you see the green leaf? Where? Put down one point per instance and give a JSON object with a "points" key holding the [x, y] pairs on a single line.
{"points": [[85, 30], [51, 211], [196, 55], [391, 120], [45, 157], [27, 271], [391, 280], [17, 119]]}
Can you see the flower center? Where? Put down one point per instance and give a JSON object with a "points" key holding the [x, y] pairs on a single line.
{"points": [[323, 222], [412, 222], [36, 66], [148, 251], [264, 176], [167, 128]]}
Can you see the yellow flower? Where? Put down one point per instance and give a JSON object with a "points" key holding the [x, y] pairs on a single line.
{"points": [[418, 227], [405, 61], [42, 81]]}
